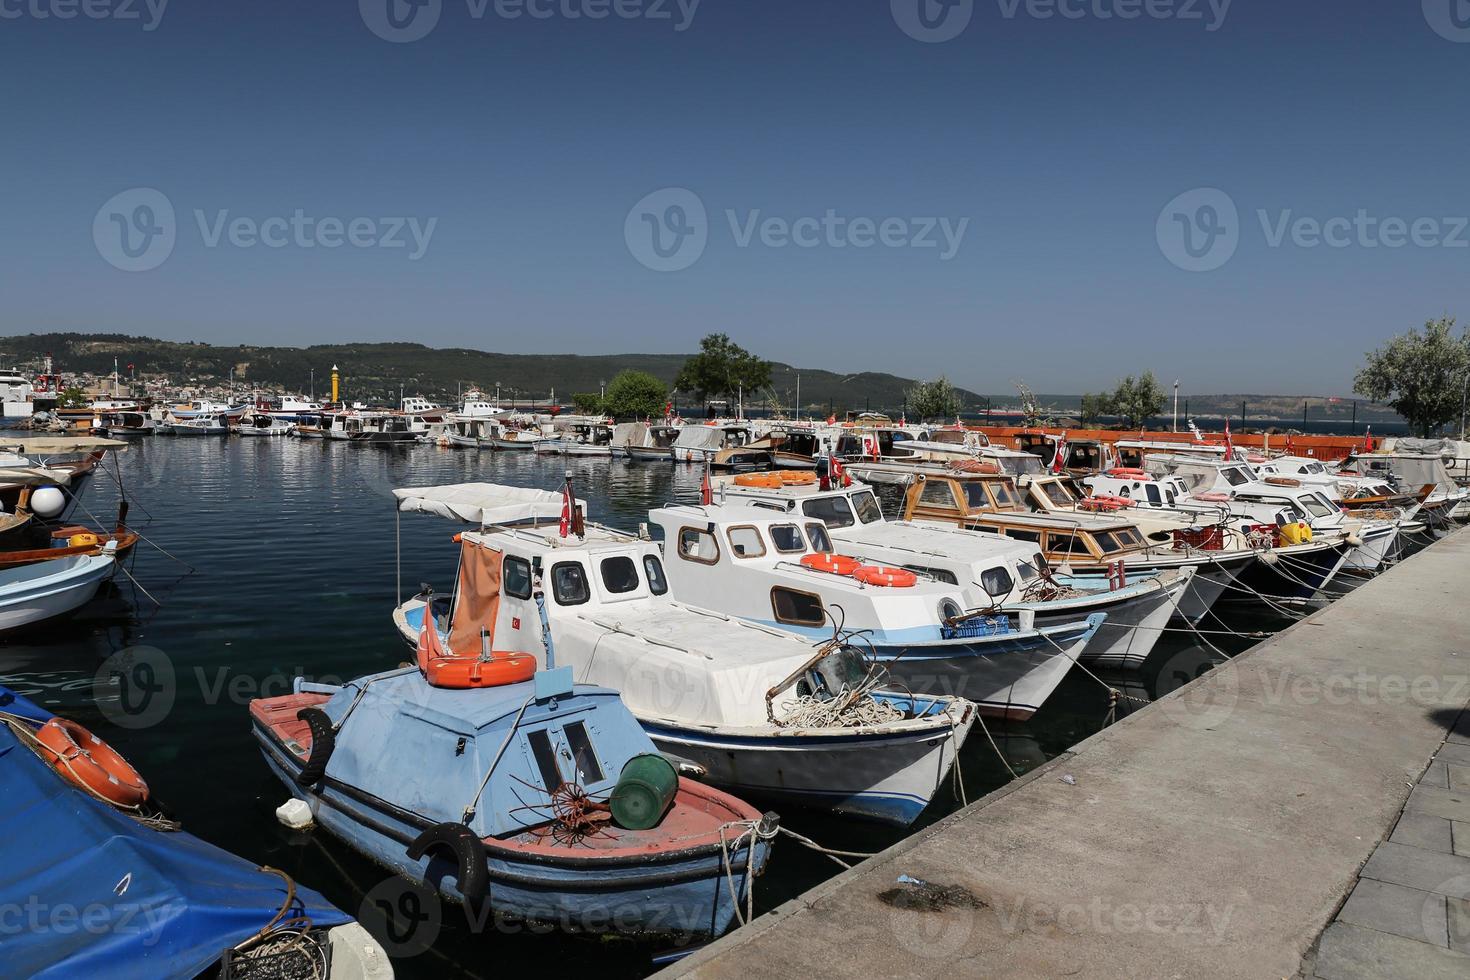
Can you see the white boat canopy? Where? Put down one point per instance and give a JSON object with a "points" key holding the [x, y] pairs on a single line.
{"points": [[705, 437], [485, 504], [37, 445], [33, 476]]}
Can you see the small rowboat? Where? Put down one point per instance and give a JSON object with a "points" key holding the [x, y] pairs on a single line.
{"points": [[34, 593]]}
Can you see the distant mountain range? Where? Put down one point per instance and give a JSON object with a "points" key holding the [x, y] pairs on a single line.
{"points": [[378, 372]]}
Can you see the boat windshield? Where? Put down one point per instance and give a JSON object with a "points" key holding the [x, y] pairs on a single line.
{"points": [[1004, 496], [832, 510], [1234, 475], [867, 507], [1317, 505], [1057, 493], [975, 494], [818, 535]]}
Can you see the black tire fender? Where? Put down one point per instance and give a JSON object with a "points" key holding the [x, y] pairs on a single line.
{"points": [[323, 741], [468, 852]]}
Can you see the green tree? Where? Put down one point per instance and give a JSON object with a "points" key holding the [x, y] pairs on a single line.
{"points": [[935, 399], [587, 403], [1420, 375], [722, 368], [635, 394], [72, 397], [1094, 407], [1136, 400]]}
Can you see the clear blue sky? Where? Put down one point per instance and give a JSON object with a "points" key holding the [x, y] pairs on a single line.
{"points": [[527, 141]]}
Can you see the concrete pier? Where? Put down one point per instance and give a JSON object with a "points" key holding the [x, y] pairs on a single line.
{"points": [[1217, 832]]}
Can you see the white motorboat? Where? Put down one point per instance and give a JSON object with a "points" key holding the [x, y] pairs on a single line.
{"points": [[748, 707], [779, 570], [995, 574]]}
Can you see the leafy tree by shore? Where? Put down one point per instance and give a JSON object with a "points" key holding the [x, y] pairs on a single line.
{"points": [[1421, 375], [635, 395], [1136, 400], [723, 368], [934, 400]]}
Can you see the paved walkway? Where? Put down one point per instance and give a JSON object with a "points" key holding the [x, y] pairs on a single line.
{"points": [[1214, 833], [1409, 913]]}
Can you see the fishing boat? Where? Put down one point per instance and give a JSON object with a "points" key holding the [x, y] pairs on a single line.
{"points": [[197, 425], [656, 446], [1445, 500], [515, 437], [495, 782], [263, 424], [123, 425], [996, 575], [1260, 504], [698, 443], [37, 592], [753, 709], [379, 428], [781, 571], [1082, 541], [81, 833]]}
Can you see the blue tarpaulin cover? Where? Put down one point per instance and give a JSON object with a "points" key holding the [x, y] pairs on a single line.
{"points": [[87, 891]]}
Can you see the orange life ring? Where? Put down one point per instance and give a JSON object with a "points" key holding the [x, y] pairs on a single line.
{"points": [[827, 562], [464, 672], [1104, 502], [1128, 473], [84, 760], [896, 578]]}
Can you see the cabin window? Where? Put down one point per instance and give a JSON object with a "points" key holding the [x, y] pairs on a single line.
{"points": [[936, 492], [787, 538], [1169, 496], [797, 608], [697, 544], [1057, 493], [587, 768], [1234, 476], [938, 574], [1106, 542], [1317, 505], [1128, 537], [653, 570], [975, 494], [515, 578], [619, 574], [1020, 535], [1029, 572], [569, 583], [1071, 544], [1002, 493], [545, 758], [996, 581], [818, 535], [1153, 494], [831, 510], [745, 541], [867, 507]]}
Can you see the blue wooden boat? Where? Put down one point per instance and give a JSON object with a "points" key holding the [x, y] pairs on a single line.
{"points": [[99, 890], [496, 794]]}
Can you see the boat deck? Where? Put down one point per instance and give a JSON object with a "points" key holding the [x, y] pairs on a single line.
{"points": [[1215, 833]]}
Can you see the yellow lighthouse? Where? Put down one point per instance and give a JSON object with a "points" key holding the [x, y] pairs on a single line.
{"points": [[334, 384]]}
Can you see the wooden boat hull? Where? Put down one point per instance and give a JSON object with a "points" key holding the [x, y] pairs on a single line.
{"points": [[657, 892], [125, 540]]}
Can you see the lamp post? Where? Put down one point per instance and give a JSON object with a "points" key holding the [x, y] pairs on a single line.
{"points": [[1176, 406]]}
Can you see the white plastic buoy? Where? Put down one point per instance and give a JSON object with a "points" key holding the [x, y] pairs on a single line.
{"points": [[48, 502], [295, 814]]}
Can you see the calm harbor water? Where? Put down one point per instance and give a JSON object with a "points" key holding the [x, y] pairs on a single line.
{"points": [[275, 558]]}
